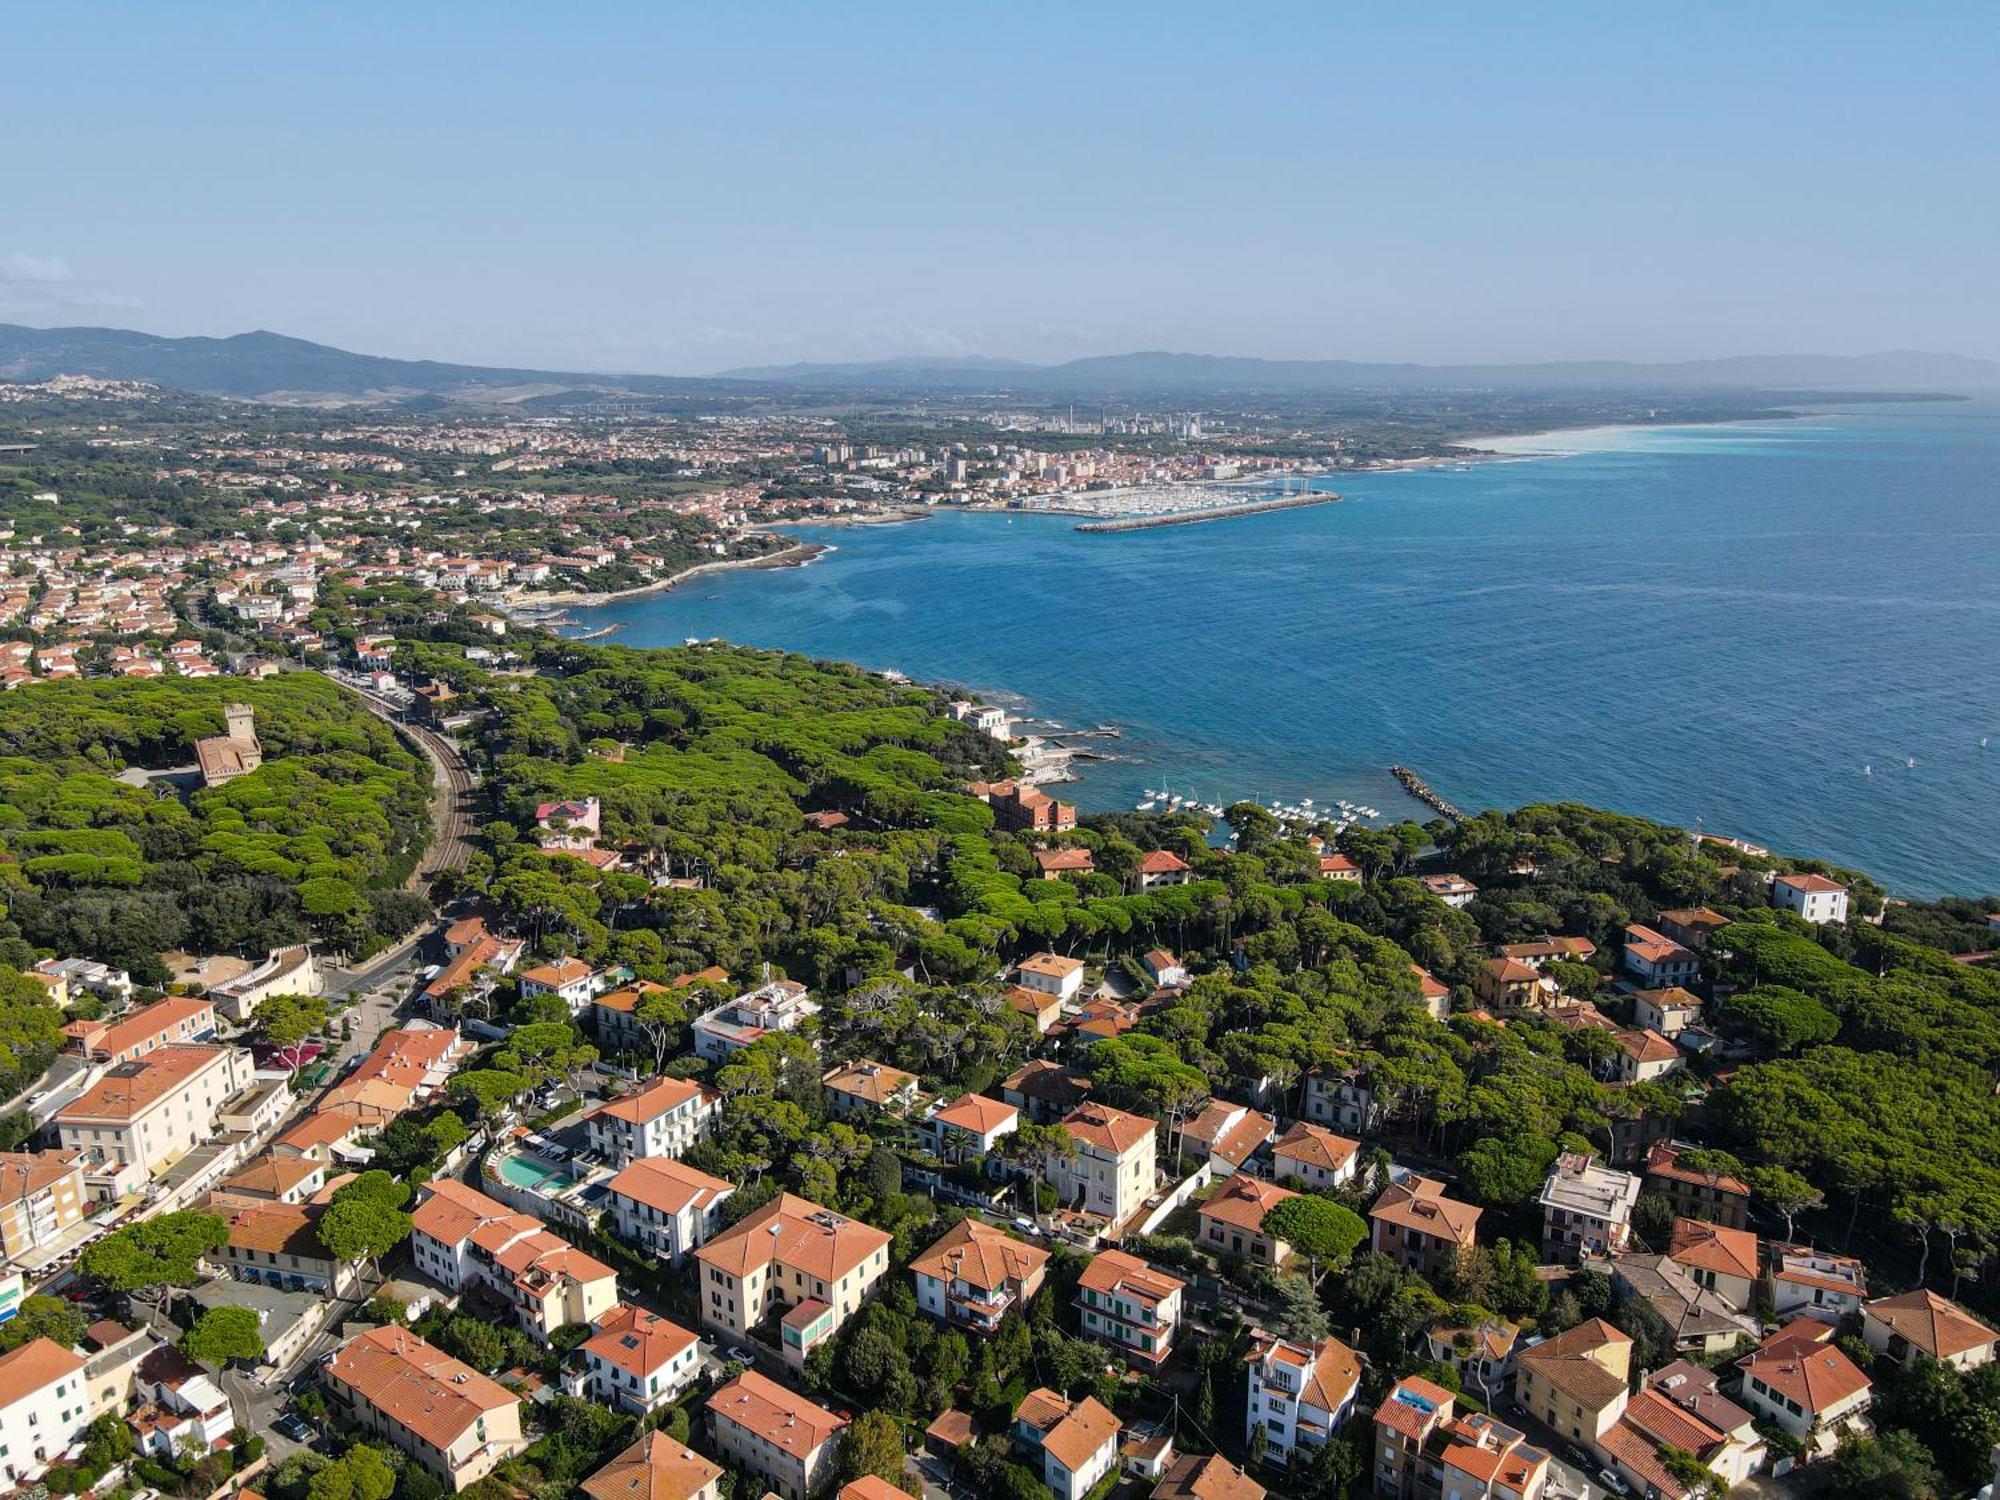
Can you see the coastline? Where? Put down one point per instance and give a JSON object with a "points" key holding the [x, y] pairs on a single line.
{"points": [[795, 556]]}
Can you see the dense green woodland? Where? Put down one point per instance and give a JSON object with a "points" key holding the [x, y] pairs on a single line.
{"points": [[313, 844]]}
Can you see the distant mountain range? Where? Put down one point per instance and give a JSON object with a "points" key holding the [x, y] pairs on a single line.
{"points": [[271, 366]]}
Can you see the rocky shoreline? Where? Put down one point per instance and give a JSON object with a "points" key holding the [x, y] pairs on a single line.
{"points": [[795, 556]]}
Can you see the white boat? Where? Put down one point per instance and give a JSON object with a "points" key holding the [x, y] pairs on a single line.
{"points": [[1148, 805]]}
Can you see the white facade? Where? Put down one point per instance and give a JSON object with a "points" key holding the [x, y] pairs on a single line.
{"points": [[1813, 897], [779, 1005], [44, 1407]]}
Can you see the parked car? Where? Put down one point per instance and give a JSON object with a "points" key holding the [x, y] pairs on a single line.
{"points": [[739, 1355], [1611, 1479], [294, 1427]]}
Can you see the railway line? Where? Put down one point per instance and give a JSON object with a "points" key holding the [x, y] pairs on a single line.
{"points": [[454, 783]]}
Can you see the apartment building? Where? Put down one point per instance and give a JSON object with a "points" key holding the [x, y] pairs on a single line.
{"points": [[777, 1005], [450, 1420], [44, 1407], [1410, 1429], [776, 1434], [974, 1275], [1124, 1302], [1586, 1208], [666, 1207], [807, 1265], [664, 1118], [1300, 1394], [1073, 1443], [656, 1467], [1231, 1221], [41, 1195], [1344, 1098], [150, 1112], [143, 1031], [277, 1244], [638, 1361], [465, 1241], [1418, 1227], [1816, 1281], [1576, 1383], [1112, 1171], [1716, 1196]]}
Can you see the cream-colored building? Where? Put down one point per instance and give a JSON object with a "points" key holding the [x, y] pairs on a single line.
{"points": [[153, 1111], [814, 1266], [452, 1421], [461, 1239], [776, 1434], [44, 1406], [1112, 1171], [41, 1195], [664, 1118], [1576, 1383], [284, 971]]}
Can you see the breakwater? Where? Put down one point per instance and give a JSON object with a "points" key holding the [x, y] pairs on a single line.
{"points": [[1417, 787], [1212, 513]]}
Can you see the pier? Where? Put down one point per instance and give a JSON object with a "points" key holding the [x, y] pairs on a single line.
{"points": [[1213, 512], [1419, 788]]}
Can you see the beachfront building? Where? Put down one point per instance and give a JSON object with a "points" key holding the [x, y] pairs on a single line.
{"points": [[663, 1118], [1813, 897], [805, 1266], [666, 1207], [1126, 1303], [450, 1420]]}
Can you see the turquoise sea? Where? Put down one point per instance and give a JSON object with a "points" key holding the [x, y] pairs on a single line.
{"points": [[1758, 625]]}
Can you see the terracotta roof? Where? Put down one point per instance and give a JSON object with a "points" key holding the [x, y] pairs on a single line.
{"points": [[1817, 1376], [637, 1341], [654, 1468], [1106, 1128], [874, 1082], [954, 1427], [871, 1487], [782, 1418], [25, 1173], [1206, 1476], [1072, 1432], [274, 1176], [1640, 1458], [980, 1255], [36, 1364], [1663, 1421], [1244, 1201], [668, 1185], [1048, 1082], [1229, 1130], [420, 1388], [1930, 1323], [1414, 1407], [1651, 947], [1702, 1246], [1315, 1146], [1432, 987], [976, 1114], [1332, 1370], [1568, 1362], [1116, 1271], [132, 1088], [1063, 860], [1162, 862], [157, 1019], [1050, 964], [1664, 1161], [1419, 1203], [1646, 1046], [1810, 883], [657, 1098], [1512, 971], [814, 1240], [277, 1229]]}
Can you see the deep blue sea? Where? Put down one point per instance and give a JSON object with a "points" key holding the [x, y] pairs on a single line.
{"points": [[1757, 625]]}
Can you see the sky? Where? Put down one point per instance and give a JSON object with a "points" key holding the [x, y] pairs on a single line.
{"points": [[690, 188]]}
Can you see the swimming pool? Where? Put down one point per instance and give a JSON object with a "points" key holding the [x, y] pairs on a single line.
{"points": [[535, 1175]]}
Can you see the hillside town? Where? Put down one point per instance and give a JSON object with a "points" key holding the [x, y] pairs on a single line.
{"points": [[443, 1056]]}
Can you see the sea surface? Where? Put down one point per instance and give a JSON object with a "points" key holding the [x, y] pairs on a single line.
{"points": [[1787, 631]]}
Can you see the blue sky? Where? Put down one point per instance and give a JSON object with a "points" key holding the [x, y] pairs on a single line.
{"points": [[686, 188]]}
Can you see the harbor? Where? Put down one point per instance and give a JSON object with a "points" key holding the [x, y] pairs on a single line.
{"points": [[1220, 511]]}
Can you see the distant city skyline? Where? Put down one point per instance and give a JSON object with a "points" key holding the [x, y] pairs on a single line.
{"points": [[682, 190]]}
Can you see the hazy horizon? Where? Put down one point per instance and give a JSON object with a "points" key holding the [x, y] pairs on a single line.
{"points": [[673, 190]]}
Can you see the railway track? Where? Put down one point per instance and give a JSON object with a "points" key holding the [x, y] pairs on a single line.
{"points": [[453, 783]]}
